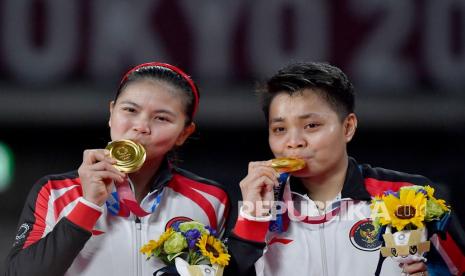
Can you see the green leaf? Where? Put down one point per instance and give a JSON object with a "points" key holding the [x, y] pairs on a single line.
{"points": [[191, 225], [170, 257], [433, 210], [157, 251]]}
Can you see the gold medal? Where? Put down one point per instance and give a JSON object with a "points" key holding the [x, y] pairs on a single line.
{"points": [[129, 155], [287, 164]]}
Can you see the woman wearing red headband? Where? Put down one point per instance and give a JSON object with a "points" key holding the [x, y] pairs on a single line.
{"points": [[94, 221]]}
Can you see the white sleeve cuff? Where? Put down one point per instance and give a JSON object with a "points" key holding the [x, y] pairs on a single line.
{"points": [[91, 205], [253, 218]]}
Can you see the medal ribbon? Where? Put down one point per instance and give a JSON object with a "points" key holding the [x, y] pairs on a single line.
{"points": [[279, 225], [123, 202]]}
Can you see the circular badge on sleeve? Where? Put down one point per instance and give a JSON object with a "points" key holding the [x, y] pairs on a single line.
{"points": [[363, 235]]}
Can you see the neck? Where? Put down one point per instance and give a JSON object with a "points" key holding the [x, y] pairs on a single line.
{"points": [[327, 186], [143, 178]]}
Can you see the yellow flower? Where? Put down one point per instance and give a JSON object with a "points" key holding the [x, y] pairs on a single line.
{"points": [[148, 247], [409, 208], [212, 248], [152, 245], [440, 202], [375, 200]]}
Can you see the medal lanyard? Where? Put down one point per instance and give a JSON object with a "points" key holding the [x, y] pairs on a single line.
{"points": [[278, 225], [122, 202], [283, 193]]}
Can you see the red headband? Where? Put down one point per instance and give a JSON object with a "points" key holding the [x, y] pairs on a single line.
{"points": [[174, 69]]}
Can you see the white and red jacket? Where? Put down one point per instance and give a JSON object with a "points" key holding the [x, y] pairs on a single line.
{"points": [[62, 234], [340, 240]]}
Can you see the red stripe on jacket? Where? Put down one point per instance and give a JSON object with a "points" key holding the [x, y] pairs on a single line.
{"points": [[181, 186], [279, 240], [451, 254], [41, 208], [209, 189], [217, 192], [71, 195], [376, 187]]}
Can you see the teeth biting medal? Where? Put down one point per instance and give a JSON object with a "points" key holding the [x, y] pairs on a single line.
{"points": [[129, 155], [288, 164]]}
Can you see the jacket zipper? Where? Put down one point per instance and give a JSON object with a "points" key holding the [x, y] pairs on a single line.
{"points": [[138, 226], [324, 261]]}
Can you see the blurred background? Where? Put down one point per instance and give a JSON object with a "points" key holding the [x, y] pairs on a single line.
{"points": [[61, 61]]}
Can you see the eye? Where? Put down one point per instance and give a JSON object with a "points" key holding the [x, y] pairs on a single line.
{"points": [[278, 129], [311, 125], [394, 252], [413, 249], [162, 119], [129, 109]]}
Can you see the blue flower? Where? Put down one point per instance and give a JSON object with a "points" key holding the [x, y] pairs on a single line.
{"points": [[175, 226], [389, 192], [192, 236], [211, 230]]}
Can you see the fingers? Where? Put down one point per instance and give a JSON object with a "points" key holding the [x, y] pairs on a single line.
{"points": [[260, 178], [257, 187], [95, 155], [113, 173], [258, 164], [262, 168], [96, 174], [106, 177], [416, 268]]}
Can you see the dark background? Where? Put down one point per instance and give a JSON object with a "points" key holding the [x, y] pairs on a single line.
{"points": [[60, 64]]}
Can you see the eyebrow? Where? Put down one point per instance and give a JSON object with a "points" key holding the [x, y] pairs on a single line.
{"points": [[302, 117], [166, 111]]}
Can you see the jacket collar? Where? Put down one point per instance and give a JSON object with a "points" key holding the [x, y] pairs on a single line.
{"points": [[354, 183], [163, 176]]}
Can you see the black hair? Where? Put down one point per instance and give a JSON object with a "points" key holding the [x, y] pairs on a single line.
{"points": [[167, 75], [326, 80]]}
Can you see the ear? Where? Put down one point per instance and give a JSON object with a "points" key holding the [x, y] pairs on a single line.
{"points": [[112, 105], [350, 126], [186, 132]]}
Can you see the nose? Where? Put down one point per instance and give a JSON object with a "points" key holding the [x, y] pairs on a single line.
{"points": [[296, 140], [141, 126]]}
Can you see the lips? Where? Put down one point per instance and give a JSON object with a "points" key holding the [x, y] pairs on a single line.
{"points": [[298, 157], [136, 140]]}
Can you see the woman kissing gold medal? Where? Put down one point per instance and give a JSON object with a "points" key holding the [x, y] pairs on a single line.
{"points": [[129, 155]]}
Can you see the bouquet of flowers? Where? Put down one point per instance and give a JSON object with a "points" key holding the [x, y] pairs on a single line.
{"points": [[404, 217], [190, 247]]}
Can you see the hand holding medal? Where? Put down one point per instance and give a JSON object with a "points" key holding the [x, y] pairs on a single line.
{"points": [[130, 157], [258, 188], [283, 166]]}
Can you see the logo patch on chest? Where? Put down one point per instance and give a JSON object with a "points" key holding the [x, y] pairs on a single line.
{"points": [[176, 220], [363, 235]]}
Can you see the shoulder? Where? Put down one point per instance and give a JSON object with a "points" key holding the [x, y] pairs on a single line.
{"points": [[389, 175], [378, 180], [56, 181], [71, 177], [183, 179]]}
